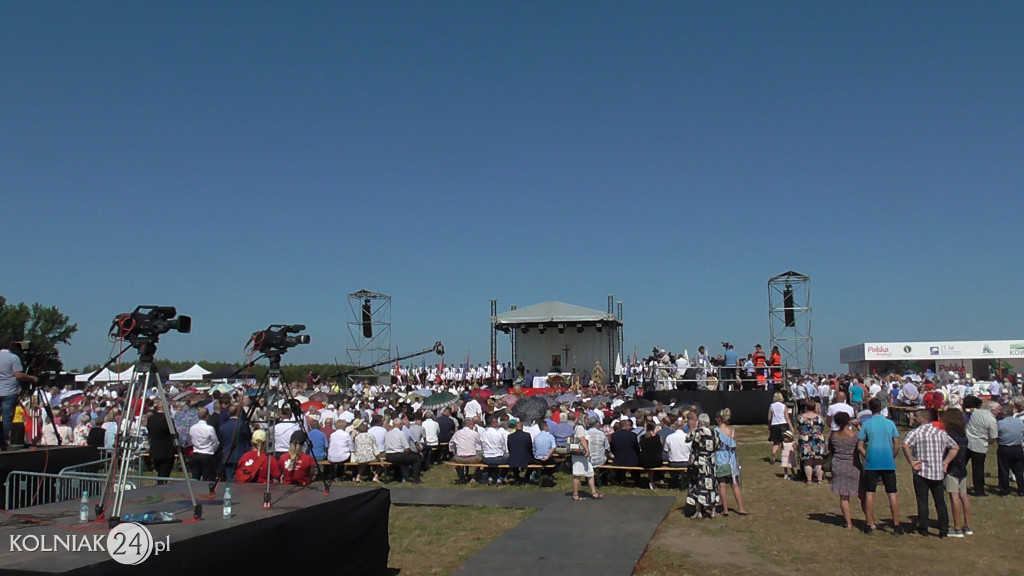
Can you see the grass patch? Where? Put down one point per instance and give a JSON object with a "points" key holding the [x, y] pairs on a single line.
{"points": [[417, 533], [799, 527]]}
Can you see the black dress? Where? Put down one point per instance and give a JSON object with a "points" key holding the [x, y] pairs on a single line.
{"points": [[650, 451]]}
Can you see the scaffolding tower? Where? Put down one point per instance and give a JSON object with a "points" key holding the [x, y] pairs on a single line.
{"points": [[369, 327], [789, 318]]}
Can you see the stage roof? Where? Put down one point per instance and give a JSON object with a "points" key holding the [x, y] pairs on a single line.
{"points": [[554, 312]]}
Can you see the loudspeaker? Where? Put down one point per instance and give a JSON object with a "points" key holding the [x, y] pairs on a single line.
{"points": [[787, 304], [367, 319]]}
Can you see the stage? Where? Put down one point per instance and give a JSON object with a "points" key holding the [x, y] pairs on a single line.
{"points": [[44, 459], [304, 530], [746, 406]]}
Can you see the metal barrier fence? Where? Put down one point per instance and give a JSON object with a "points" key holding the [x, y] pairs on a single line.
{"points": [[24, 489]]}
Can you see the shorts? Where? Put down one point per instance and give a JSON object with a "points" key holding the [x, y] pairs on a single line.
{"points": [[888, 478], [954, 485], [775, 432]]}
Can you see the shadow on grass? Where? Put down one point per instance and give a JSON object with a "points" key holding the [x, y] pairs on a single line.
{"points": [[829, 518]]}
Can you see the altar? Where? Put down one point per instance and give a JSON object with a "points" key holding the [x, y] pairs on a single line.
{"points": [[542, 381]]}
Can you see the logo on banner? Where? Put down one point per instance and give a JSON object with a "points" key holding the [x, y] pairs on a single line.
{"points": [[907, 349], [1016, 350], [986, 349], [933, 350], [879, 350]]}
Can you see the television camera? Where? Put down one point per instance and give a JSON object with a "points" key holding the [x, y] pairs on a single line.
{"points": [[277, 338], [146, 323], [43, 364]]}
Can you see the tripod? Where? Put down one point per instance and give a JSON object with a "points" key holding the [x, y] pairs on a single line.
{"points": [[272, 382], [128, 436], [37, 394]]}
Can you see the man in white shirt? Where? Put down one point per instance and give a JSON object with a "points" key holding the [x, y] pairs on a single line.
{"points": [[495, 451], [401, 452], [677, 445], [282, 431], [838, 406], [328, 413], [431, 429], [472, 408], [204, 448]]}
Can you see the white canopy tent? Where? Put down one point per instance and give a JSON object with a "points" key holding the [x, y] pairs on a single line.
{"points": [[195, 373]]}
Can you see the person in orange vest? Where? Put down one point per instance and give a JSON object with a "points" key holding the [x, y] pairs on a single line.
{"points": [[760, 361], [775, 360]]}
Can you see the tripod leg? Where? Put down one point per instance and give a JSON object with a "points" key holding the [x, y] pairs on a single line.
{"points": [[162, 398]]}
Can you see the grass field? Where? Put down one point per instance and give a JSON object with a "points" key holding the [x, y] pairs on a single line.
{"points": [[792, 527]]}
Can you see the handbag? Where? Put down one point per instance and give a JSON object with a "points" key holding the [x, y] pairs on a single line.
{"points": [[723, 470], [574, 447]]}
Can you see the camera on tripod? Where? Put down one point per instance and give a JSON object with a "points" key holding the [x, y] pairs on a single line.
{"points": [[146, 323], [276, 338], [43, 364]]}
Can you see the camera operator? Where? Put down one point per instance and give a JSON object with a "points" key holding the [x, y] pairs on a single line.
{"points": [[10, 375]]}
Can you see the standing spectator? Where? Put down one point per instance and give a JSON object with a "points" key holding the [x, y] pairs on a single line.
{"points": [[581, 466], [725, 460], [81, 435], [703, 492], [775, 360], [955, 423], [234, 437], [161, 443], [811, 442], [878, 443], [845, 469], [204, 448], [839, 405], [929, 452], [1010, 453], [982, 432], [779, 422], [10, 375]]}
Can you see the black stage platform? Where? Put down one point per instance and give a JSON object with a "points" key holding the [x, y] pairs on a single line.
{"points": [[44, 459], [305, 530], [747, 406]]}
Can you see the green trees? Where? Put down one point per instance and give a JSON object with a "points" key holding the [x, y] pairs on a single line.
{"points": [[44, 326]]}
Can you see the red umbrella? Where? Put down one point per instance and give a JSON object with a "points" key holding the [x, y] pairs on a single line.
{"points": [[481, 394], [510, 399], [312, 405]]}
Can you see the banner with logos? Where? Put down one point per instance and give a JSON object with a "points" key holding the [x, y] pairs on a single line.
{"points": [[938, 351]]}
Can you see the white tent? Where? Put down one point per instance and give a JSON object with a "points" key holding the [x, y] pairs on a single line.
{"points": [[195, 373], [107, 375]]}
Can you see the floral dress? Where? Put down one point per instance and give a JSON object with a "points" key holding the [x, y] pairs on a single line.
{"points": [[704, 489], [812, 438]]}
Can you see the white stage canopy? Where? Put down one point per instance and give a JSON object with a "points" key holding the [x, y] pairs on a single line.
{"points": [[576, 337]]}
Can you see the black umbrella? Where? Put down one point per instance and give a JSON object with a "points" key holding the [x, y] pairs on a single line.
{"points": [[389, 396], [599, 400], [530, 408], [637, 404]]}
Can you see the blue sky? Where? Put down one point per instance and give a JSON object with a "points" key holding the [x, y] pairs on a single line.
{"points": [[253, 163]]}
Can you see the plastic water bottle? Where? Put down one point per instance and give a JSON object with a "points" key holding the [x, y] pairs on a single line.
{"points": [[227, 502], [83, 512]]}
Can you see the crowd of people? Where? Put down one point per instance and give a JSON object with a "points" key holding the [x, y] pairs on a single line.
{"points": [[844, 424]]}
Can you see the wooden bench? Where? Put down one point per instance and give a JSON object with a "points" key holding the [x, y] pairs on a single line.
{"points": [[639, 469], [552, 466]]}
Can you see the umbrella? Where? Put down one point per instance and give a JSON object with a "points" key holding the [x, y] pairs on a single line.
{"points": [[481, 393], [183, 420], [546, 399], [424, 392], [389, 396], [253, 392], [312, 405], [637, 404], [510, 399], [64, 396], [600, 399], [567, 398], [337, 398], [222, 388], [530, 408], [302, 399], [413, 397], [198, 398], [320, 397], [440, 401], [185, 393], [76, 399]]}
